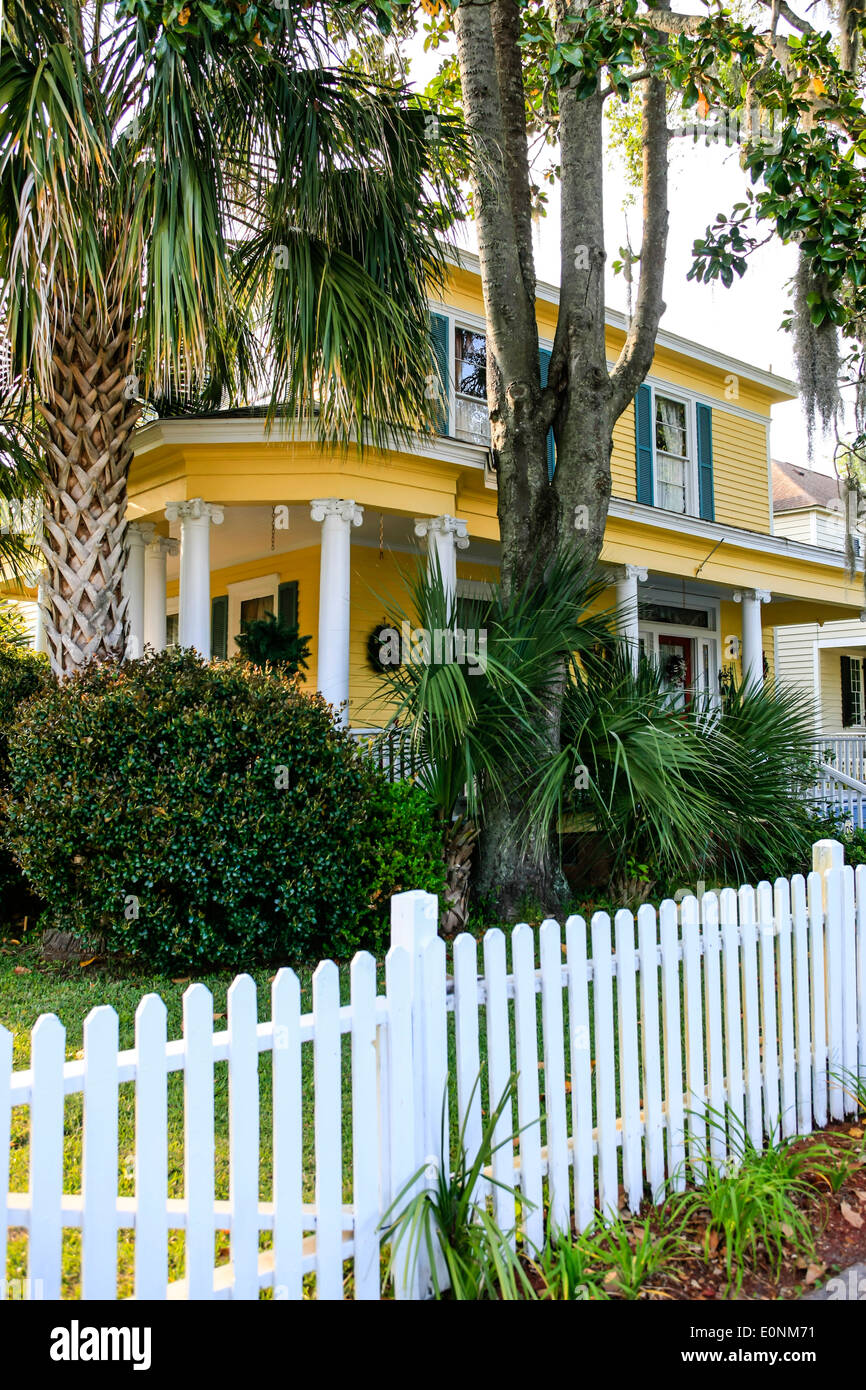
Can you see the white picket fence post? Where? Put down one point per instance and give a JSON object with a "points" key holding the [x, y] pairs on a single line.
{"points": [[414, 929], [828, 860]]}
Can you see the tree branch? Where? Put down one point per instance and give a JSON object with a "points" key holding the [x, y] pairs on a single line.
{"points": [[495, 116], [636, 356]]}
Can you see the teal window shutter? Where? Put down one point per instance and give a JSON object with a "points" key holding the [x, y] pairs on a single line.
{"points": [[705, 463], [544, 364], [440, 335], [219, 627], [287, 603], [643, 434]]}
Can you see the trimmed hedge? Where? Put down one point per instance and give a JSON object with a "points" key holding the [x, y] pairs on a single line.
{"points": [[208, 813], [22, 675]]}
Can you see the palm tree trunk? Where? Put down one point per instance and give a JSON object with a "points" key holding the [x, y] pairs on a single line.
{"points": [[459, 845], [89, 418]]}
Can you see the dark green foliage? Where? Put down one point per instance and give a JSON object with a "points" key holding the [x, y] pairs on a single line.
{"points": [[201, 813], [22, 674], [269, 642], [406, 851], [701, 792]]}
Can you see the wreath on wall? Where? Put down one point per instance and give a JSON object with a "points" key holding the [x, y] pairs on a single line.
{"points": [[374, 646]]}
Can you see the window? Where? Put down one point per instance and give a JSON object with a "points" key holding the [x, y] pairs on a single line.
{"points": [[672, 454], [172, 629], [672, 614], [852, 691], [472, 421]]}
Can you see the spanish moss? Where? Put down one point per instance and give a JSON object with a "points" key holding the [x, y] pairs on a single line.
{"points": [[816, 351]]}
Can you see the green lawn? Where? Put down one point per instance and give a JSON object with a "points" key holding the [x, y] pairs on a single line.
{"points": [[71, 992]]}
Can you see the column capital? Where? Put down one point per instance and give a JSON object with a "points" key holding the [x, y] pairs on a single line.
{"points": [[620, 572], [347, 509], [164, 545], [444, 525], [754, 595], [196, 509], [139, 533]]}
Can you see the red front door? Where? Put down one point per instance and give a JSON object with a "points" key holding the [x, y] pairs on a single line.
{"points": [[675, 660]]}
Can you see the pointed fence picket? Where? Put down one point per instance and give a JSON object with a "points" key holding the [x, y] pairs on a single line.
{"points": [[637, 1062]]}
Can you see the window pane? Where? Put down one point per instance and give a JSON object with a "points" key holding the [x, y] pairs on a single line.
{"points": [[252, 609], [671, 426], [172, 628], [470, 366], [671, 480], [472, 422]]}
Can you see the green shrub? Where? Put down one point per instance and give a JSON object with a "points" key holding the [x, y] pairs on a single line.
{"points": [[407, 850], [270, 642], [203, 813], [22, 674]]}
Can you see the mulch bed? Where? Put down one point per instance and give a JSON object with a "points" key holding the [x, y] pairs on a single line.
{"points": [[839, 1242]]}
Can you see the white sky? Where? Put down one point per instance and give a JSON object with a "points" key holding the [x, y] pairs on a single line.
{"points": [[743, 320]]}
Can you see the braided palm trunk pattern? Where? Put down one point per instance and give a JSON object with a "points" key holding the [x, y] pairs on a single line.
{"points": [[89, 427]]}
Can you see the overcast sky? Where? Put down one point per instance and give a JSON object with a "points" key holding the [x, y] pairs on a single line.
{"points": [[743, 320]]}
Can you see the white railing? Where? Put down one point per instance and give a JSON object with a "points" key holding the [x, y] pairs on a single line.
{"points": [[838, 792], [394, 756], [751, 1002], [846, 753]]}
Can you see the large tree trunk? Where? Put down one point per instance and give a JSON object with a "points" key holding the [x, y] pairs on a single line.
{"points": [[89, 418], [582, 399]]}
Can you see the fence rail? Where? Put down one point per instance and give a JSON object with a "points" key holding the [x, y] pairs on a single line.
{"points": [[624, 1037]]}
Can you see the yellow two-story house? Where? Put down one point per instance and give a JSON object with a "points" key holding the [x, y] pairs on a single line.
{"points": [[230, 521]]}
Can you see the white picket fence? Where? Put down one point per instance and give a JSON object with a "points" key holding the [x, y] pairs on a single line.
{"points": [[753, 1000]]}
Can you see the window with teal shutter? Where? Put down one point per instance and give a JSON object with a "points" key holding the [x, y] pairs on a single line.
{"points": [[705, 463], [440, 333], [219, 627], [643, 433], [287, 603], [544, 364]]}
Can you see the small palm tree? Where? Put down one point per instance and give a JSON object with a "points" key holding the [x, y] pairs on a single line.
{"points": [[477, 728], [186, 192]]}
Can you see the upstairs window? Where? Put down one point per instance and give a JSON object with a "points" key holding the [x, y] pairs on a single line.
{"points": [[672, 455], [472, 422]]}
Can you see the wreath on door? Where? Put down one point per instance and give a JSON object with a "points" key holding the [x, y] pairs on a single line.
{"points": [[675, 670]]}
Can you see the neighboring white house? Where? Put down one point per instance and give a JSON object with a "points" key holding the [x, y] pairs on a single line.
{"points": [[827, 660]]}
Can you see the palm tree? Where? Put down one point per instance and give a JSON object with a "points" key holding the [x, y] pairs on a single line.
{"points": [[180, 201], [475, 728]]}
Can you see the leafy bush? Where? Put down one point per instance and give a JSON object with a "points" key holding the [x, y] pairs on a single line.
{"points": [[269, 642], [22, 674], [204, 813], [407, 850]]}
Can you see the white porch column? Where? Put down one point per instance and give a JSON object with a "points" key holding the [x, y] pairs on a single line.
{"points": [[195, 519], [138, 536], [753, 642], [445, 535], [337, 517], [41, 637], [627, 578], [155, 557]]}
